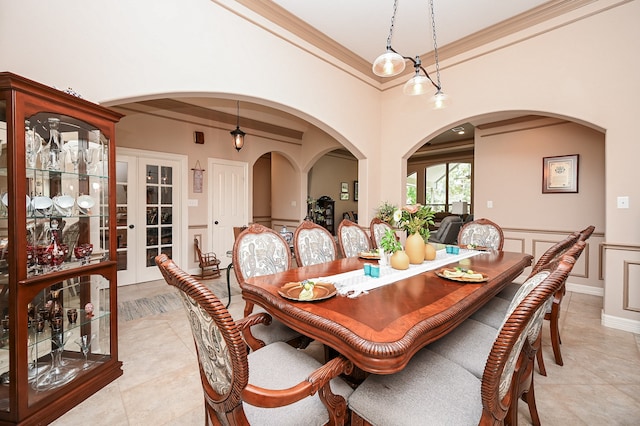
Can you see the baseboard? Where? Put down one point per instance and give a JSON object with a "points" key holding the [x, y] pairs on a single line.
{"points": [[624, 324], [585, 289]]}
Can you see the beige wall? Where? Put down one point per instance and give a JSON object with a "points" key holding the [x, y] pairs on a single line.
{"points": [[262, 191], [326, 177], [575, 66]]}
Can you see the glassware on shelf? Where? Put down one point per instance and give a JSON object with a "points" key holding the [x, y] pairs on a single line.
{"points": [[60, 373], [85, 345], [72, 148], [72, 315], [83, 252], [32, 143]]}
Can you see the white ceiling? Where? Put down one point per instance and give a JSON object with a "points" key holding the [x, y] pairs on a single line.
{"points": [[362, 26]]}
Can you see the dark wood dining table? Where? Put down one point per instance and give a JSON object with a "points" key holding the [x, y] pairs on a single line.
{"points": [[381, 330]]}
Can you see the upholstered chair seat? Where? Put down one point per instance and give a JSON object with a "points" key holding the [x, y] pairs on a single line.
{"points": [[430, 390], [280, 366]]}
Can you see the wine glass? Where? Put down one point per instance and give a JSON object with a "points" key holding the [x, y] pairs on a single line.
{"points": [[85, 344], [32, 145], [74, 155]]}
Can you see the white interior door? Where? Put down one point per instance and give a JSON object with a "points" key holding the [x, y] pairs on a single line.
{"points": [[150, 213], [228, 203]]}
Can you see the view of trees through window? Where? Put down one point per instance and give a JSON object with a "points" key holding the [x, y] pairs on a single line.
{"points": [[446, 183], [412, 188]]}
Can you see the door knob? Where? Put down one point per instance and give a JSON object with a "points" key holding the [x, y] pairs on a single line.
{"points": [[215, 223], [131, 226]]}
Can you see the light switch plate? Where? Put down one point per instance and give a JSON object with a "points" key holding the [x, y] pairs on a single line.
{"points": [[623, 202], [489, 204]]}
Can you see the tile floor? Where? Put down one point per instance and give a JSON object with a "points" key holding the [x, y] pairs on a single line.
{"points": [[599, 383]]}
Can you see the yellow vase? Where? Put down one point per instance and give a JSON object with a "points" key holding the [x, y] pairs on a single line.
{"points": [[429, 252], [414, 246], [399, 260]]}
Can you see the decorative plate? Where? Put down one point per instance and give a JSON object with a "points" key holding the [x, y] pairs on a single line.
{"points": [[372, 255], [474, 247], [464, 277], [86, 202], [321, 291]]}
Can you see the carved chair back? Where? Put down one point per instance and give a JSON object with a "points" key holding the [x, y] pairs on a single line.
{"points": [[259, 250], [352, 239], [500, 381], [378, 228], [482, 232], [313, 244], [221, 351]]}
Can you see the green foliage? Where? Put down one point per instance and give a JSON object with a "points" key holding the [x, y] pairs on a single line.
{"points": [[385, 211], [414, 218], [389, 242]]}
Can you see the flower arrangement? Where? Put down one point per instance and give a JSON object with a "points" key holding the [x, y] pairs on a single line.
{"points": [[385, 211], [414, 218], [389, 242]]}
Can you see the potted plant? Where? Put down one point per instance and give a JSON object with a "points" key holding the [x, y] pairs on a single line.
{"points": [[385, 211], [415, 219], [390, 244]]}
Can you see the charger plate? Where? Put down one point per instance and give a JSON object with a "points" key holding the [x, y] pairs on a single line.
{"points": [[463, 279], [321, 291], [371, 255]]}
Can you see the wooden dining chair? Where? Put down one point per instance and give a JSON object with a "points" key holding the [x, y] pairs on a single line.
{"points": [[482, 232], [208, 263], [553, 312], [313, 244], [468, 381], [352, 239], [257, 251], [377, 229], [241, 388]]}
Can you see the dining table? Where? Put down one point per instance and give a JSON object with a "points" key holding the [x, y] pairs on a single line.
{"points": [[380, 328]]}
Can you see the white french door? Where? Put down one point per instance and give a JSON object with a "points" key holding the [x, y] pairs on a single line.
{"points": [[149, 220], [228, 203]]}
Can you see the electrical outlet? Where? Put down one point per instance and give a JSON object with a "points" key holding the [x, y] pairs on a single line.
{"points": [[623, 202], [489, 204]]}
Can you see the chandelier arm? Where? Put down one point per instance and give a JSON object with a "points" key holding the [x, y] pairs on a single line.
{"points": [[429, 77], [403, 57]]}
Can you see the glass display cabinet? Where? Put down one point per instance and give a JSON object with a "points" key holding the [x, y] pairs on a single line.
{"points": [[58, 312]]}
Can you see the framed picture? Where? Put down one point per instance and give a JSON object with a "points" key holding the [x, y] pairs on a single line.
{"points": [[344, 196], [344, 187], [560, 174], [355, 190]]}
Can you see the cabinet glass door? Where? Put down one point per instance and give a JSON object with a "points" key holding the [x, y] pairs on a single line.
{"points": [[67, 194], [5, 343]]}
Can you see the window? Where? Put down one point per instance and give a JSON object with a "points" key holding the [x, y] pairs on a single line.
{"points": [[412, 188], [446, 183]]}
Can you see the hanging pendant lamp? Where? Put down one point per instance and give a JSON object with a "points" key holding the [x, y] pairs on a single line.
{"points": [[391, 63], [238, 135]]}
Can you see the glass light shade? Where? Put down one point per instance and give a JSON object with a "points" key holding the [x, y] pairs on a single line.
{"points": [[238, 138], [440, 100], [418, 85], [388, 64]]}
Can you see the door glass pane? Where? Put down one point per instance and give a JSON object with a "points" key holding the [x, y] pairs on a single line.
{"points": [[152, 174], [122, 176], [152, 194], [167, 195], [167, 216], [152, 236], [166, 175], [152, 215]]}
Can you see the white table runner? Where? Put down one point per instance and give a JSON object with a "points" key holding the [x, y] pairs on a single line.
{"points": [[355, 283]]}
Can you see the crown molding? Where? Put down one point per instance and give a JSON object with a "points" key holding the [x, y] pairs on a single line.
{"points": [[289, 22]]}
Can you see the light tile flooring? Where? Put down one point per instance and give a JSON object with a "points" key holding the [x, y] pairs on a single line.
{"points": [[599, 383]]}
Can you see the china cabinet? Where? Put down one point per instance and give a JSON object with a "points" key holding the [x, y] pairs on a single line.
{"points": [[327, 206], [58, 342]]}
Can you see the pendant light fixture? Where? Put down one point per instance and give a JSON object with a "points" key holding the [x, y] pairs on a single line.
{"points": [[391, 63], [238, 135]]}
